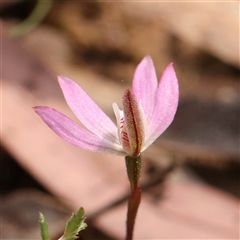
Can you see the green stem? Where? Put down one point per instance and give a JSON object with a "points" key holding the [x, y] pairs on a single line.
{"points": [[133, 170], [37, 15], [134, 165]]}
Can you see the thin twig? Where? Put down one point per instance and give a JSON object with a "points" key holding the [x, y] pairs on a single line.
{"points": [[153, 182]]}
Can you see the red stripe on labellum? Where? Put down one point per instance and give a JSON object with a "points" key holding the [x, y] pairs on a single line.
{"points": [[133, 121]]}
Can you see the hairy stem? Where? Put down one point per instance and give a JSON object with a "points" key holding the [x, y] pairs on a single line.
{"points": [[133, 165]]}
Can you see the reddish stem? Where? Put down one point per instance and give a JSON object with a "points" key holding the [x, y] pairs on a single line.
{"points": [[133, 169], [133, 203]]}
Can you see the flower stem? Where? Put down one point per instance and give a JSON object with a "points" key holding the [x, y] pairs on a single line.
{"points": [[133, 165], [133, 203]]}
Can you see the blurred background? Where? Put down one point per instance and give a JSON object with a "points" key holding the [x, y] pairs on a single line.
{"points": [[190, 175]]}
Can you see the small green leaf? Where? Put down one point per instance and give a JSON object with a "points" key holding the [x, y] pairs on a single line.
{"points": [[44, 227], [134, 165], [74, 225]]}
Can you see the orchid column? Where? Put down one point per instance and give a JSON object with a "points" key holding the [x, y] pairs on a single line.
{"points": [[148, 109]]}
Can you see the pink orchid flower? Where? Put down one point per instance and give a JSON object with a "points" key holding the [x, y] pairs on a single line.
{"points": [[148, 109]]}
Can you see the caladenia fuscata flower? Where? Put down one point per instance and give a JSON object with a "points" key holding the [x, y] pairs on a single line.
{"points": [[148, 109]]}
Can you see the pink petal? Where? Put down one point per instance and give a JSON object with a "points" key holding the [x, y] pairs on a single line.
{"points": [[71, 132], [166, 104], [87, 110], [145, 86], [119, 115]]}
